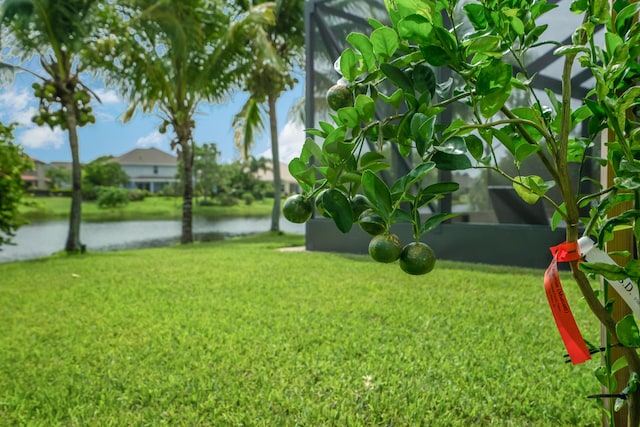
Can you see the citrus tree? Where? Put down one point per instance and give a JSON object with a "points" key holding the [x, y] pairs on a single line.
{"points": [[484, 46], [56, 33]]}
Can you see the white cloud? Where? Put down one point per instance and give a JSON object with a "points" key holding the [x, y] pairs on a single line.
{"points": [[41, 137], [23, 117], [290, 142], [108, 96], [16, 106], [154, 139]]}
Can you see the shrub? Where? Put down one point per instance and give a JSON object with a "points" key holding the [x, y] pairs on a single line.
{"points": [[225, 199], [248, 198], [112, 197], [138, 195]]}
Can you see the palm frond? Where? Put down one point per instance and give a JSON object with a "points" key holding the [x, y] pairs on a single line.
{"points": [[16, 9], [247, 124], [8, 72]]}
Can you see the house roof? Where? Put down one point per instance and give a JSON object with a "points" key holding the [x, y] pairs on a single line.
{"points": [[147, 156], [64, 165], [34, 160], [285, 176]]}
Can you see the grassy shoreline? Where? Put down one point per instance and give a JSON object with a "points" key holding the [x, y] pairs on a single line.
{"points": [[42, 209], [239, 333]]}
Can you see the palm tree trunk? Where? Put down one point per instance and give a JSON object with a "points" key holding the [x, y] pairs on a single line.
{"points": [[73, 244], [275, 155], [187, 194]]}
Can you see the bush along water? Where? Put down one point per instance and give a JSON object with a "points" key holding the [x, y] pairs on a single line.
{"points": [[398, 101]]}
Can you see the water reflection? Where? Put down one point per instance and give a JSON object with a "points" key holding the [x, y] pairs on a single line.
{"points": [[38, 240]]}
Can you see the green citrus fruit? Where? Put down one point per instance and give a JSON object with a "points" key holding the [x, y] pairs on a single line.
{"points": [[385, 247], [371, 222], [297, 209], [320, 210], [359, 204], [417, 258], [339, 96]]}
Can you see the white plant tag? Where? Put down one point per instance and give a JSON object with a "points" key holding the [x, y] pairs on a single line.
{"points": [[625, 288]]}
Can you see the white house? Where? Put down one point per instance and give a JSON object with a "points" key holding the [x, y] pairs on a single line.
{"points": [[149, 168]]}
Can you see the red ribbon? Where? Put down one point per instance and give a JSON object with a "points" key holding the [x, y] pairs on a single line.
{"points": [[566, 323]]}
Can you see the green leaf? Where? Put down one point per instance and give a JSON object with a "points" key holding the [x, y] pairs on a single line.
{"points": [[398, 77], [385, 43], [628, 13], [517, 25], [422, 129], [604, 377], [435, 55], [416, 174], [476, 14], [369, 158], [339, 209], [612, 41], [364, 45], [349, 117], [366, 107], [378, 194], [415, 28], [608, 271], [579, 6], [310, 150], [303, 174], [526, 187], [475, 147], [455, 145], [441, 188], [539, 8], [483, 44], [627, 331], [435, 220], [445, 161], [525, 150], [619, 364], [424, 79], [336, 135], [395, 99], [326, 127], [492, 103], [496, 77], [348, 66]]}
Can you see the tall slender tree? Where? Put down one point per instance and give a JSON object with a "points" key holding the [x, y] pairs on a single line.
{"points": [[279, 50], [169, 58], [56, 32]]}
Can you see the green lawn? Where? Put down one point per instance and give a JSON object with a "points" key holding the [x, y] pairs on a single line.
{"points": [[47, 208], [237, 333]]}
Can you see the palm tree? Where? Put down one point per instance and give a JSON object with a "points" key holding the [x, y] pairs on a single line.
{"points": [[279, 50], [56, 32], [170, 57]]}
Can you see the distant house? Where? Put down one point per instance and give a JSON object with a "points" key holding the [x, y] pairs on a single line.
{"points": [[36, 179], [289, 184], [149, 168]]}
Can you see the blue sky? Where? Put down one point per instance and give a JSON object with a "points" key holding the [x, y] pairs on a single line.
{"points": [[109, 136]]}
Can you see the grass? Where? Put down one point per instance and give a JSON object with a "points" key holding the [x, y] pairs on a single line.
{"points": [[50, 208], [236, 333]]}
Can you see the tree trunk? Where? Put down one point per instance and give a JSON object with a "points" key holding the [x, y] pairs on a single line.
{"points": [[275, 154], [73, 244], [187, 194]]}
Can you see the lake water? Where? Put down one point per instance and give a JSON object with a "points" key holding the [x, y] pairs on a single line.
{"points": [[42, 239]]}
